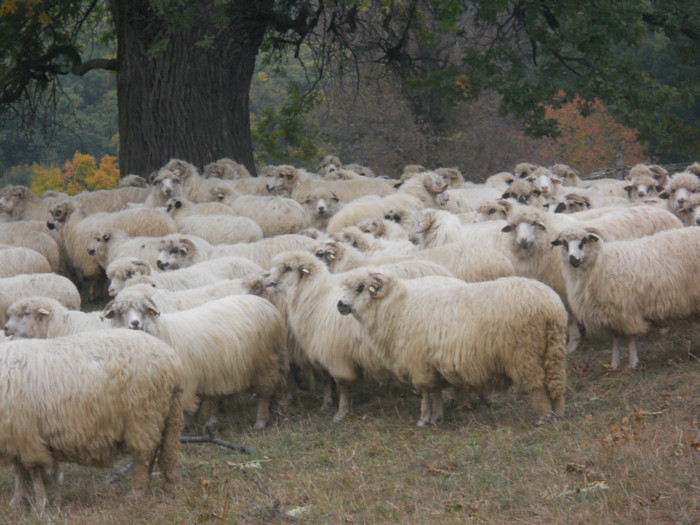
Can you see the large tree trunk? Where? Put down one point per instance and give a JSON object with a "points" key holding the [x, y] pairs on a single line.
{"points": [[188, 101]]}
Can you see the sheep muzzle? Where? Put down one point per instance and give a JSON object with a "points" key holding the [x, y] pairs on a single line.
{"points": [[344, 308]]}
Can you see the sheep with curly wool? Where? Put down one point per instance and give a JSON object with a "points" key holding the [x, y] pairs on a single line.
{"points": [[227, 346], [509, 331], [332, 343], [619, 288], [39, 317], [216, 229], [85, 398]]}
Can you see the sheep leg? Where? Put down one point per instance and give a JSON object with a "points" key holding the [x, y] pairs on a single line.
{"points": [[327, 392], [543, 405], [263, 412], [573, 334], [40, 496], [139, 482], [343, 401], [424, 408], [616, 353], [437, 407], [22, 482], [633, 358]]}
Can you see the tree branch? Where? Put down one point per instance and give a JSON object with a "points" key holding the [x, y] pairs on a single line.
{"points": [[110, 64]]}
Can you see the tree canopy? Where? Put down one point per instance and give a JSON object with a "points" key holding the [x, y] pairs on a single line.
{"points": [[184, 68]]}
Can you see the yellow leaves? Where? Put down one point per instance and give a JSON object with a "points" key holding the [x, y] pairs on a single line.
{"points": [[78, 174], [9, 7]]}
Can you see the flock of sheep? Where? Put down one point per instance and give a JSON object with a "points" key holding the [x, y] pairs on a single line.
{"points": [[222, 283]]}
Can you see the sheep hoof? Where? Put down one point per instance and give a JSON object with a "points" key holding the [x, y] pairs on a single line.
{"points": [[423, 422], [634, 366], [339, 417], [545, 419], [259, 425]]}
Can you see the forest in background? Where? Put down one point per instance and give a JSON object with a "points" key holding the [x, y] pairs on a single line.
{"points": [[370, 124]]}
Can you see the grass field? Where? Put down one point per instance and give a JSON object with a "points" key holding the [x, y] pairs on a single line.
{"points": [[627, 451]]}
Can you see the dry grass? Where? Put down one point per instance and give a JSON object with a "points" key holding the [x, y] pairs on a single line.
{"points": [[628, 451]]}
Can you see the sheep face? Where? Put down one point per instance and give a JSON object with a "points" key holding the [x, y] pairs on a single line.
{"points": [[283, 180], [133, 311], [291, 269], [99, 244], [520, 191], [689, 211], [453, 176], [493, 211], [362, 289], [374, 227], [59, 215], [167, 183], [643, 187], [424, 223], [321, 204], [29, 318], [10, 196], [174, 205], [175, 253], [122, 271], [330, 253], [580, 248], [525, 234], [524, 169], [543, 182], [181, 168], [681, 188], [329, 164], [573, 203]]}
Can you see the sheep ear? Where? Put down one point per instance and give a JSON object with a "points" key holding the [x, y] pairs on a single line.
{"points": [[107, 236], [509, 181], [334, 197], [304, 271], [539, 225], [663, 194], [178, 204], [152, 308], [378, 287], [628, 189], [142, 267], [560, 208], [557, 242], [507, 195], [593, 237], [43, 311], [187, 246], [108, 312], [508, 228]]}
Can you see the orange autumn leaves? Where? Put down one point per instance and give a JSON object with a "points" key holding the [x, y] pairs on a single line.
{"points": [[78, 174], [591, 143]]}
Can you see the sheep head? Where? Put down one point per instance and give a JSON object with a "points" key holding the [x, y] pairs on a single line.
{"points": [[422, 225], [174, 205], [375, 227], [167, 182], [99, 242], [363, 287], [60, 213], [330, 253], [689, 211], [453, 176], [10, 196], [283, 179], [30, 317], [290, 269], [181, 168], [123, 270], [493, 211], [580, 246], [529, 229], [177, 252], [572, 203], [133, 309]]}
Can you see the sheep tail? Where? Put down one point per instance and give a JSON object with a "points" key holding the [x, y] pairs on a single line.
{"points": [[170, 446], [555, 365]]}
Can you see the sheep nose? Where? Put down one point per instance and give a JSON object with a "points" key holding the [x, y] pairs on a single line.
{"points": [[135, 324], [343, 308], [697, 221], [161, 265], [321, 210], [640, 194], [112, 292], [50, 225], [6, 331], [524, 243], [574, 261], [91, 251], [680, 200], [168, 191]]}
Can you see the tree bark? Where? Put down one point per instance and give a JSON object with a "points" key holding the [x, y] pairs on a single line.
{"points": [[189, 101]]}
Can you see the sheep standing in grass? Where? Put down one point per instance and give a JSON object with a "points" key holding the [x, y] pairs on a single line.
{"points": [[43, 318], [227, 346], [85, 398], [332, 343], [476, 336], [618, 288]]}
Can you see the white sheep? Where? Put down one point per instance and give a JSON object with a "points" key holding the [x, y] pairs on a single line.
{"points": [[179, 251], [225, 168], [216, 229], [511, 330], [164, 185], [121, 271], [44, 318], [19, 203], [45, 284], [39, 242], [689, 211], [320, 205], [229, 345], [462, 200], [383, 228], [332, 343], [109, 244], [618, 288], [500, 181], [274, 215], [415, 194], [680, 188], [136, 181], [15, 260], [85, 398]]}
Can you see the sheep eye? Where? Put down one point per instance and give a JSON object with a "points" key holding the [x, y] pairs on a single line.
{"points": [[287, 269], [360, 289], [129, 274], [319, 254], [491, 212]]}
